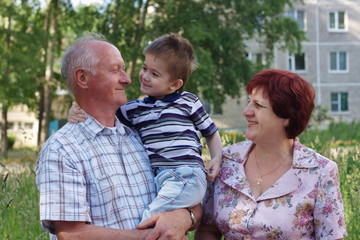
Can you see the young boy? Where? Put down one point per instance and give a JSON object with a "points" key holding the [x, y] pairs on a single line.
{"points": [[168, 122]]}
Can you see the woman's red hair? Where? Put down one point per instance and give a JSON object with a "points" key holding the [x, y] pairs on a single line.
{"points": [[291, 97]]}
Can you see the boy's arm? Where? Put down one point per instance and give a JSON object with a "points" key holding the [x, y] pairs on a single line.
{"points": [[215, 147], [76, 114]]}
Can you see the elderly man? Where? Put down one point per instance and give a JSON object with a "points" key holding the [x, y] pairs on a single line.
{"points": [[94, 177]]}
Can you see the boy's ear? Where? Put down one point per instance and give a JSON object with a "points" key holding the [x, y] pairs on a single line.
{"points": [[80, 78], [175, 85]]}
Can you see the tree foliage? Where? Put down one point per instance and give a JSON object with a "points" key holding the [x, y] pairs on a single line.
{"points": [[20, 63], [218, 29]]}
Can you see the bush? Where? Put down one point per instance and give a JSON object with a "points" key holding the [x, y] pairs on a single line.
{"points": [[11, 141]]}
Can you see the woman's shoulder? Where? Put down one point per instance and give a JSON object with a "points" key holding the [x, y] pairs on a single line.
{"points": [[237, 152], [308, 157]]}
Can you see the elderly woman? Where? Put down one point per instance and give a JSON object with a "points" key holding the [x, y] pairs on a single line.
{"points": [[271, 186]]}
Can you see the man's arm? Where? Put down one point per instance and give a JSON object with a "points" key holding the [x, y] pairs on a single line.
{"points": [[168, 226], [66, 230], [172, 225]]}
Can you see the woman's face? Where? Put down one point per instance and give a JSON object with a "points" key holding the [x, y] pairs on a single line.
{"points": [[263, 124]]}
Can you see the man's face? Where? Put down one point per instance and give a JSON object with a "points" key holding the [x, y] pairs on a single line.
{"points": [[109, 82]]}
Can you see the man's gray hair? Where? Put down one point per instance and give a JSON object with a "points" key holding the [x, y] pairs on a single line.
{"points": [[79, 55]]}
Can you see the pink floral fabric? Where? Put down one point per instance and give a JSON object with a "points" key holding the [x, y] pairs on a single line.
{"points": [[305, 203]]}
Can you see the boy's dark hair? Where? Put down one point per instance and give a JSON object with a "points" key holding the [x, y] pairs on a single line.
{"points": [[178, 52]]}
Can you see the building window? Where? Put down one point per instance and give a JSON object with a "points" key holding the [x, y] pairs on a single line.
{"points": [[337, 21], [211, 108], [28, 125], [298, 16], [338, 62], [297, 62], [11, 125], [257, 58], [339, 102]]}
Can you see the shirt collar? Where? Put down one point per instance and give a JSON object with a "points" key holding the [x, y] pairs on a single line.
{"points": [[168, 98], [303, 157], [92, 127]]}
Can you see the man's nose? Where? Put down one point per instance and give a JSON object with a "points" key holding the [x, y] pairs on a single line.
{"points": [[125, 79]]}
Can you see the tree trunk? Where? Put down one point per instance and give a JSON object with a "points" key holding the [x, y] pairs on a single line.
{"points": [[139, 33], [45, 101], [4, 126], [5, 107]]}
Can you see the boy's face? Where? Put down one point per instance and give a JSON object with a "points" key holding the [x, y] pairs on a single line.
{"points": [[156, 79]]}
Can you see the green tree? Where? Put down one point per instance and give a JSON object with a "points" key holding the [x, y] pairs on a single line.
{"points": [[58, 13], [19, 59], [218, 31]]}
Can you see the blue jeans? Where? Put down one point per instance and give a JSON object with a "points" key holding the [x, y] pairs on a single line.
{"points": [[179, 187]]}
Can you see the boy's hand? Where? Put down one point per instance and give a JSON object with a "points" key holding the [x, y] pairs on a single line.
{"points": [[213, 168], [76, 114]]}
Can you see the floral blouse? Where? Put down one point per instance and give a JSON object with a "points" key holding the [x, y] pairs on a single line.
{"points": [[305, 203]]}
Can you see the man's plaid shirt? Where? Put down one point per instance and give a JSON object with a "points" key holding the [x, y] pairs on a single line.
{"points": [[91, 173]]}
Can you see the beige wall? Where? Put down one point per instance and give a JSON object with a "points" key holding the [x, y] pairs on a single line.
{"points": [[24, 125]]}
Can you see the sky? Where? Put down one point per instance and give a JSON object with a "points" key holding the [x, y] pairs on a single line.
{"points": [[77, 2]]}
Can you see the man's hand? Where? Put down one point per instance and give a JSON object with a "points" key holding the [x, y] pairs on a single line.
{"points": [[168, 225]]}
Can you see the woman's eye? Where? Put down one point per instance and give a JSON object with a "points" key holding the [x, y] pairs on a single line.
{"points": [[259, 105]]}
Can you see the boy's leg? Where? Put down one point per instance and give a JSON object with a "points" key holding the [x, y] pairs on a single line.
{"points": [[178, 188]]}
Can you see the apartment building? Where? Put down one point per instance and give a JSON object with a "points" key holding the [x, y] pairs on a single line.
{"points": [[23, 124], [330, 59]]}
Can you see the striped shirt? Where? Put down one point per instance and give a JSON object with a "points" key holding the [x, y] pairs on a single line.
{"points": [[170, 128], [90, 173]]}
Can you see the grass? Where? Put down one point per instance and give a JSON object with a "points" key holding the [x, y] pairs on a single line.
{"points": [[19, 201], [19, 207]]}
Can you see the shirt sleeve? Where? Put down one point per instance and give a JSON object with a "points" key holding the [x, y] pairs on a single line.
{"points": [[62, 189], [202, 120], [121, 114], [329, 210]]}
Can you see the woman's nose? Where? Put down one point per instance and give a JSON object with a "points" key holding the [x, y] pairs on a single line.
{"points": [[247, 110]]}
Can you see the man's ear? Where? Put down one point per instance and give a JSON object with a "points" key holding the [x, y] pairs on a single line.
{"points": [[81, 78], [175, 85]]}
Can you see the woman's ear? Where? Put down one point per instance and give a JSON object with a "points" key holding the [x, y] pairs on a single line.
{"points": [[286, 123], [175, 85], [80, 78]]}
